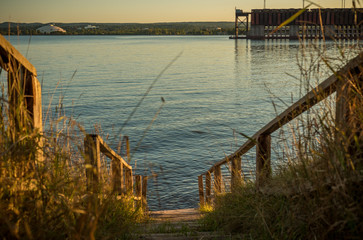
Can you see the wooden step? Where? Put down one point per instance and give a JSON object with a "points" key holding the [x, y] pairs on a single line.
{"points": [[195, 236], [175, 225], [179, 215]]}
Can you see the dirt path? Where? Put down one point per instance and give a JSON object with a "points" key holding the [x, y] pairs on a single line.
{"points": [[179, 215], [175, 225]]}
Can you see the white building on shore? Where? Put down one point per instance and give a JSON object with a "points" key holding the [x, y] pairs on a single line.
{"points": [[50, 29], [90, 27]]}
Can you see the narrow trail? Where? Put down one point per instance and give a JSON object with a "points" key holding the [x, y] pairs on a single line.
{"points": [[175, 225], [190, 214]]}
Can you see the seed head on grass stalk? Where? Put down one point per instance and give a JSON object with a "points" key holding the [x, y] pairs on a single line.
{"points": [[147, 93], [49, 200]]}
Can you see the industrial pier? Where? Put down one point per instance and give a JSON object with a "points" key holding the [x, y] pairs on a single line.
{"points": [[336, 23]]}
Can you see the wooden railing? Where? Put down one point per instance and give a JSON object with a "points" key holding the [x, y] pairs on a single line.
{"points": [[22, 74], [24, 86], [262, 139], [122, 178]]}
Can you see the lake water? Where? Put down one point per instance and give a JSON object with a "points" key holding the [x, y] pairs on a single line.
{"points": [[215, 89]]}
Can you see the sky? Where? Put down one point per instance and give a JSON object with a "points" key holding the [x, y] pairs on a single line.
{"points": [[139, 11]]}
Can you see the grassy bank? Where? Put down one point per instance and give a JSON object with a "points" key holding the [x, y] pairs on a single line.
{"points": [[316, 191], [46, 197]]}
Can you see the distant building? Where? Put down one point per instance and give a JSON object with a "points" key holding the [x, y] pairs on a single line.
{"points": [[90, 27], [50, 29]]}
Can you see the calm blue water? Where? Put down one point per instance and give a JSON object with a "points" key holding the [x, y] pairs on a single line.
{"points": [[217, 87]]}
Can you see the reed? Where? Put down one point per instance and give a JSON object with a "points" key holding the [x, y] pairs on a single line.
{"points": [[46, 197], [316, 191]]}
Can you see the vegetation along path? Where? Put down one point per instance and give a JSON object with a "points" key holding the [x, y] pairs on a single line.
{"points": [[176, 224]]}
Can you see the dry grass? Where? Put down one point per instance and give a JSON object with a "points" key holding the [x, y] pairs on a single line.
{"points": [[317, 192], [47, 198]]}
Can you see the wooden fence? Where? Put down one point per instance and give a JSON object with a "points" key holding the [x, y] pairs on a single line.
{"points": [[338, 83], [24, 87], [122, 178]]}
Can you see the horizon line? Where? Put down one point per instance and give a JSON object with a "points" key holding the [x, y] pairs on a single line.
{"points": [[84, 22]]}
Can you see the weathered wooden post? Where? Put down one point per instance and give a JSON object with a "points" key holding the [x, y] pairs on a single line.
{"points": [[217, 180], [138, 190], [129, 181], [36, 104], [263, 159], [236, 173], [117, 176], [24, 93], [127, 148], [201, 190], [144, 192], [208, 187], [93, 161], [349, 107]]}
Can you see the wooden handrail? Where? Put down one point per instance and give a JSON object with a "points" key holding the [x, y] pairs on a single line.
{"points": [[316, 95], [105, 149], [8, 51], [22, 82], [262, 138], [122, 177]]}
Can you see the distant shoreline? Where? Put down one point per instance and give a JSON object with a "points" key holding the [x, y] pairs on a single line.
{"points": [[65, 34], [147, 29]]}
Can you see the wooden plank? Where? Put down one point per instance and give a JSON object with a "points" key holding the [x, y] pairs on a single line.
{"points": [[37, 114], [138, 189], [208, 187], [316, 95], [201, 190], [144, 192], [8, 51], [179, 215], [22, 84], [127, 148], [117, 176], [93, 161], [105, 149], [217, 180], [236, 173], [129, 183], [37, 104], [263, 159]]}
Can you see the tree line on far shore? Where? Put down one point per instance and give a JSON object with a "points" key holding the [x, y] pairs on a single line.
{"points": [[185, 28]]}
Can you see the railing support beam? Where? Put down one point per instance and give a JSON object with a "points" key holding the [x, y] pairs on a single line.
{"points": [[129, 181], [144, 191], [117, 176], [93, 161], [263, 159], [236, 173], [201, 190], [217, 180], [208, 187], [138, 190]]}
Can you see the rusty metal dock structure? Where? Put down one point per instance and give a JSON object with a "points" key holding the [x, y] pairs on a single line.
{"points": [[337, 23]]}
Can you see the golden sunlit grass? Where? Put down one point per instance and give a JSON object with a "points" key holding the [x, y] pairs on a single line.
{"points": [[47, 198], [316, 193]]}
